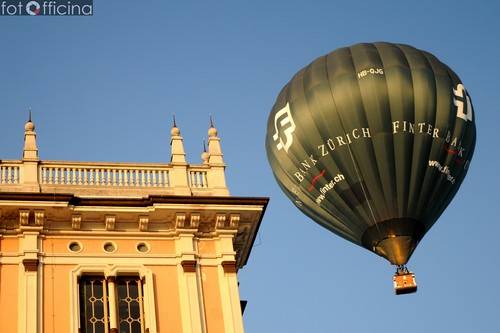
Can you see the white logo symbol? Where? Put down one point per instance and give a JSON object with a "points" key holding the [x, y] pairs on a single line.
{"points": [[284, 118], [462, 96], [35, 11]]}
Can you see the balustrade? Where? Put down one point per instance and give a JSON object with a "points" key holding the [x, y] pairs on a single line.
{"points": [[104, 175], [90, 176], [9, 173], [198, 178]]}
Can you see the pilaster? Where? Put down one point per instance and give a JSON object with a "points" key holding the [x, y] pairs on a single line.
{"points": [[192, 318], [231, 283], [228, 281], [30, 286]]}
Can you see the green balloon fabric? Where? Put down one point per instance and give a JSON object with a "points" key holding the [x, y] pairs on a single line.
{"points": [[372, 142]]}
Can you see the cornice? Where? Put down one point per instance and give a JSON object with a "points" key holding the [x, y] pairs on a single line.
{"points": [[202, 216], [131, 201]]}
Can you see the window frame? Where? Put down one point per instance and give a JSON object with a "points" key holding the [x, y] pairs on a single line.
{"points": [[105, 297], [109, 271]]}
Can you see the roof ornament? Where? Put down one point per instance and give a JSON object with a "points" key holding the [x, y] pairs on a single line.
{"points": [[30, 150], [205, 155], [214, 147], [178, 154], [212, 131]]}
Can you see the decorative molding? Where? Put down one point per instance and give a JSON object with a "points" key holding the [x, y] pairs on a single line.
{"points": [[24, 215], [76, 221], [143, 222], [62, 200], [229, 266], [234, 221], [189, 266], [180, 219], [195, 220], [220, 221], [30, 265], [110, 221], [39, 217]]}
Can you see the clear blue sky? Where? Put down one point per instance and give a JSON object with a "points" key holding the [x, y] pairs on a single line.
{"points": [[105, 87]]}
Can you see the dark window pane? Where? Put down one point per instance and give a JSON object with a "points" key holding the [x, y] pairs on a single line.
{"points": [[122, 289], [135, 310], [92, 303], [134, 293], [99, 309], [136, 327], [129, 304], [99, 327], [97, 287], [124, 327]]}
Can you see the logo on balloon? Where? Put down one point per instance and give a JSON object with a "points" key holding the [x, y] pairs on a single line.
{"points": [[283, 121], [462, 96]]}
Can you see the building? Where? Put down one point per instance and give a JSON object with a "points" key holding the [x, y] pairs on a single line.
{"points": [[91, 247]]}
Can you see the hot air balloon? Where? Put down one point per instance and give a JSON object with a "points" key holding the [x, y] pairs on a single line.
{"points": [[372, 142]]}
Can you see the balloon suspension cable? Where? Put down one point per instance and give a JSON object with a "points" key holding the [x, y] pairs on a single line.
{"points": [[401, 269]]}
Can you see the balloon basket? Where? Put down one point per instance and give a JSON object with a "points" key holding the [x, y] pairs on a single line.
{"points": [[404, 281]]}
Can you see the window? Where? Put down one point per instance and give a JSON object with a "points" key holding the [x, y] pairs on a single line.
{"points": [[130, 305], [109, 247], [142, 247], [111, 305], [75, 247], [93, 304]]}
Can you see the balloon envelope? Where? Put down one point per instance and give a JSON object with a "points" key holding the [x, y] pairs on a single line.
{"points": [[372, 142]]}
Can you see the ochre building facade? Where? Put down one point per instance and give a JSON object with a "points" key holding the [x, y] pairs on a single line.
{"points": [[92, 247]]}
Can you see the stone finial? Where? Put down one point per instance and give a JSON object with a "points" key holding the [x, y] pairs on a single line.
{"points": [[212, 131], [205, 155], [214, 147], [30, 150], [177, 145]]}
